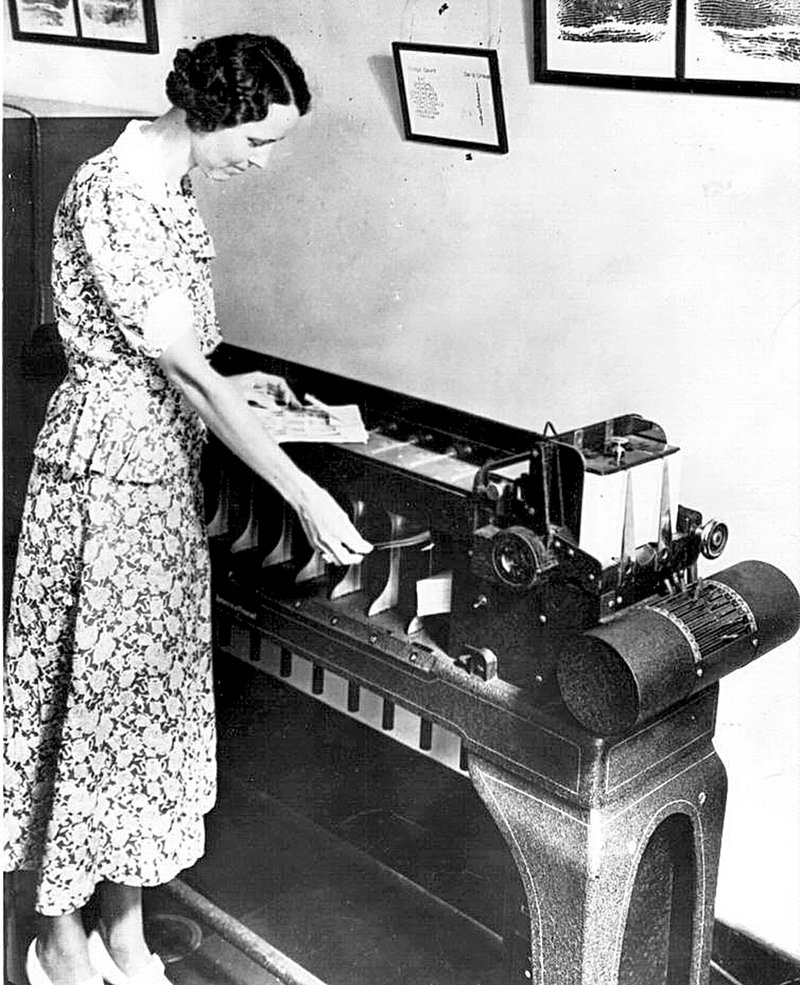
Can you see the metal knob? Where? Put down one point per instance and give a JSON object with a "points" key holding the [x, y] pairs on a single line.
{"points": [[713, 538]]}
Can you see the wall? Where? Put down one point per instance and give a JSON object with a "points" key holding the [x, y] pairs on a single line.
{"points": [[633, 251]]}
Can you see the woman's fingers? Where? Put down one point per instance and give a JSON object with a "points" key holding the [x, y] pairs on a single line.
{"points": [[265, 389], [342, 557], [346, 549], [276, 387], [329, 530]]}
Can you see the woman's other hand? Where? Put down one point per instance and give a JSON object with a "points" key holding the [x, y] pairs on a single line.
{"points": [[264, 389], [328, 528]]}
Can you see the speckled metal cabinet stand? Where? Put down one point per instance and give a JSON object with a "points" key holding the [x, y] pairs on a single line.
{"points": [[619, 881]]}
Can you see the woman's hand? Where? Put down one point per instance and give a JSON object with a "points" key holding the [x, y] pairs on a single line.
{"points": [[264, 389], [328, 528]]}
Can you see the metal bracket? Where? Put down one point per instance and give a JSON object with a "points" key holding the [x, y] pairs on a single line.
{"points": [[480, 661]]}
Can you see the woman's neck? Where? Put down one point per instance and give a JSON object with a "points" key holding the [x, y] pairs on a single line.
{"points": [[170, 141]]}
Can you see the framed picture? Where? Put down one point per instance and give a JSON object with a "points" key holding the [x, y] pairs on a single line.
{"points": [[127, 25], [735, 47], [451, 96]]}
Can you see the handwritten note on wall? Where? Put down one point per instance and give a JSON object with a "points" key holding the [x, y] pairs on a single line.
{"points": [[451, 95]]}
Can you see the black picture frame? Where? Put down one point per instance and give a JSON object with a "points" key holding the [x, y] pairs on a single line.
{"points": [[698, 46], [87, 23], [444, 90]]}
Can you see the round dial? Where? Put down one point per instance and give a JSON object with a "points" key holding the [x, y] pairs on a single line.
{"points": [[516, 557], [713, 538]]}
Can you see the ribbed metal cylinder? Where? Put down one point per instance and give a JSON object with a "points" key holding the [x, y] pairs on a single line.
{"points": [[626, 671]]}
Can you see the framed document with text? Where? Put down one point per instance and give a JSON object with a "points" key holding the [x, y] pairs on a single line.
{"points": [[451, 96]]}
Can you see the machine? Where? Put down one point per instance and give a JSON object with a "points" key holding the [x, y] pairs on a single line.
{"points": [[532, 619]]}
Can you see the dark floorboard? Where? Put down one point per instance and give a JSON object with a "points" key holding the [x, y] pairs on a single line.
{"points": [[345, 918]]}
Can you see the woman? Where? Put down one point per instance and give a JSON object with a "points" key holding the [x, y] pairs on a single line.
{"points": [[110, 730]]}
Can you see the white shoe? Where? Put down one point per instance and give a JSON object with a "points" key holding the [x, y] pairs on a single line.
{"points": [[38, 976], [102, 961]]}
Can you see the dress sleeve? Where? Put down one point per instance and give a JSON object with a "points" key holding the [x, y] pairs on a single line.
{"points": [[134, 267]]}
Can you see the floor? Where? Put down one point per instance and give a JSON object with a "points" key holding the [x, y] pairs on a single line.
{"points": [[345, 921]]}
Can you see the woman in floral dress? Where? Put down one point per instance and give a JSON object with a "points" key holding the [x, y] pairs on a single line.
{"points": [[109, 708]]}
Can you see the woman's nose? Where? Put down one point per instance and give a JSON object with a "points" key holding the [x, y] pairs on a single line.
{"points": [[260, 157]]}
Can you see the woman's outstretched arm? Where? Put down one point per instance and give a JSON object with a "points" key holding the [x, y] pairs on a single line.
{"points": [[227, 415]]}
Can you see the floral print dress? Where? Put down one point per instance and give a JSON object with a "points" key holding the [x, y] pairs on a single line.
{"points": [[109, 751]]}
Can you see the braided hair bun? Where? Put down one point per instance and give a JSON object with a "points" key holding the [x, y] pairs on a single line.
{"points": [[225, 81]]}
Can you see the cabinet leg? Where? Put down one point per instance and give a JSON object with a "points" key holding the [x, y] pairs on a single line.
{"points": [[621, 894]]}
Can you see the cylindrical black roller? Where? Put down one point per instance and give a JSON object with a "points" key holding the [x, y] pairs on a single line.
{"points": [[626, 671]]}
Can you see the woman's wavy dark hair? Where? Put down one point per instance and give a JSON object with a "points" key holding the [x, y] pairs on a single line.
{"points": [[225, 81]]}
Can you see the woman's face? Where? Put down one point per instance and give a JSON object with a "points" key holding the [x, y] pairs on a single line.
{"points": [[221, 154]]}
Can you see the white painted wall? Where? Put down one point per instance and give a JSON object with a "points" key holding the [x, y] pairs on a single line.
{"points": [[632, 252]]}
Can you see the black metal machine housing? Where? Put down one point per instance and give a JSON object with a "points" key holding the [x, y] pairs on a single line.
{"points": [[503, 629]]}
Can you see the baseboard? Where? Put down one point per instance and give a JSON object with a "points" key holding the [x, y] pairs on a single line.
{"points": [[738, 959], [750, 961]]}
